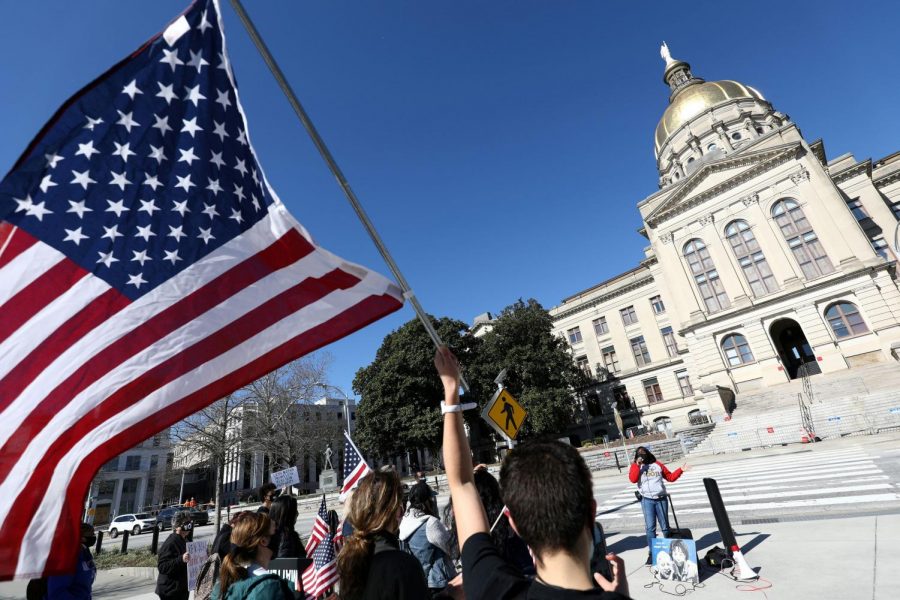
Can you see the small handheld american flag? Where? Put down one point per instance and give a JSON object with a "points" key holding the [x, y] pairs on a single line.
{"points": [[319, 529], [322, 574]]}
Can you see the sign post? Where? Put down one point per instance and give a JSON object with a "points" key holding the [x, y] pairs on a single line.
{"points": [[504, 414]]}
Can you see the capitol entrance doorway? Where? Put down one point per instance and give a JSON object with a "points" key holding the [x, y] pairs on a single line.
{"points": [[793, 349]]}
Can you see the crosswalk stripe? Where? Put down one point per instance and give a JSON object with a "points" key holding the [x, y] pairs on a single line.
{"points": [[680, 486], [760, 506], [786, 466], [701, 492]]}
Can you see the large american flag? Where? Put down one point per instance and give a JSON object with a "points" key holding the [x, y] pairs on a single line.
{"points": [[319, 528], [322, 574], [355, 467], [147, 268]]}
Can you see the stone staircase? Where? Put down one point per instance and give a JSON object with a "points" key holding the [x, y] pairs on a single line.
{"points": [[854, 402]]}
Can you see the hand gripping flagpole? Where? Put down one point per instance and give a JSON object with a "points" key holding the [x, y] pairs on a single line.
{"points": [[338, 174]]}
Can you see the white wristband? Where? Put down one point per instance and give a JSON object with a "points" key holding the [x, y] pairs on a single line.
{"points": [[453, 408]]}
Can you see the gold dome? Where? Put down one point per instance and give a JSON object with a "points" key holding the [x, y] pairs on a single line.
{"points": [[694, 100]]}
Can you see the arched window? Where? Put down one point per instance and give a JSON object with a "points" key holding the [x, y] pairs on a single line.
{"points": [[845, 320], [736, 135], [750, 257], [705, 275], [712, 147], [801, 239], [662, 424], [737, 350]]}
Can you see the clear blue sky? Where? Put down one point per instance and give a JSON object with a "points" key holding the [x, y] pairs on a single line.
{"points": [[500, 147]]}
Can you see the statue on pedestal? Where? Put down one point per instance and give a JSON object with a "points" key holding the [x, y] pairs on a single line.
{"points": [[328, 453]]}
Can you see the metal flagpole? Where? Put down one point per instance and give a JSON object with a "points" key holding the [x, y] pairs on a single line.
{"points": [[338, 174]]}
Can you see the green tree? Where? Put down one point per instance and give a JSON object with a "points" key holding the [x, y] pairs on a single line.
{"points": [[540, 370], [400, 392]]}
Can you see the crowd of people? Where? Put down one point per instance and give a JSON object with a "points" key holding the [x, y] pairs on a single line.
{"points": [[530, 535]]}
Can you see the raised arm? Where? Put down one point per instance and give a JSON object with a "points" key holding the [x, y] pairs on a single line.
{"points": [[467, 509]]}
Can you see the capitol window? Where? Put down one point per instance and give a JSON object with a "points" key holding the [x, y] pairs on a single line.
{"points": [[712, 147], [845, 320], [706, 277], [737, 350], [736, 135], [801, 239], [750, 257]]}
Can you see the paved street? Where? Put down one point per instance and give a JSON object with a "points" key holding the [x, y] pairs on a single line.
{"points": [[845, 477]]}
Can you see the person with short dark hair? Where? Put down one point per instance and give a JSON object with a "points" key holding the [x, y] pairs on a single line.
{"points": [[650, 475], [77, 585], [172, 583], [286, 541], [267, 494], [549, 496]]}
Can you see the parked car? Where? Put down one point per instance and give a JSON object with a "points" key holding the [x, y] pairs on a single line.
{"points": [[134, 523], [164, 516], [199, 516]]}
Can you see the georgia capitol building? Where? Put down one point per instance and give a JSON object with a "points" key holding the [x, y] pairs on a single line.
{"points": [[765, 260]]}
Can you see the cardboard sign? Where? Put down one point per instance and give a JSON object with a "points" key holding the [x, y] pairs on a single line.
{"points": [[286, 477], [675, 560], [197, 550], [504, 414]]}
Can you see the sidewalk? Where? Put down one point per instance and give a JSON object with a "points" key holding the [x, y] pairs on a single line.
{"points": [[836, 559]]}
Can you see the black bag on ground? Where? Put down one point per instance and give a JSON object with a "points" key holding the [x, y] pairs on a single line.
{"points": [[677, 533]]}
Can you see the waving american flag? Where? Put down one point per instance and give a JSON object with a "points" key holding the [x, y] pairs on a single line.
{"points": [[355, 467], [319, 528], [323, 573], [147, 268]]}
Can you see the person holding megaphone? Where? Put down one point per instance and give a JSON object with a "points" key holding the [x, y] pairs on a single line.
{"points": [[650, 476]]}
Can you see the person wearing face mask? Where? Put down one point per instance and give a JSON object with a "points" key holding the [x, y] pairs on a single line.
{"points": [[172, 583], [76, 586], [371, 565], [245, 571], [650, 475]]}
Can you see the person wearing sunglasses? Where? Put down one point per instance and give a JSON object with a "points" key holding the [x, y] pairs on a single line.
{"points": [[172, 583]]}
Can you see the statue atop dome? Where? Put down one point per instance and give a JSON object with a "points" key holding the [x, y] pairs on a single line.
{"points": [[664, 52]]}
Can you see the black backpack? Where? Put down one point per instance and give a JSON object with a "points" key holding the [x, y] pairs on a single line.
{"points": [[37, 589]]}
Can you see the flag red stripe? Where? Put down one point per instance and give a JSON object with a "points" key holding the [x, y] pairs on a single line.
{"points": [[231, 335], [62, 553], [357, 474], [285, 251], [35, 296], [101, 308], [20, 242]]}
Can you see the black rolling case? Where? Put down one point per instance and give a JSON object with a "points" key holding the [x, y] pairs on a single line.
{"points": [[677, 533]]}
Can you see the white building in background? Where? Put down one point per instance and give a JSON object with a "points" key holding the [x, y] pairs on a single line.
{"points": [[765, 260], [246, 469], [133, 481]]}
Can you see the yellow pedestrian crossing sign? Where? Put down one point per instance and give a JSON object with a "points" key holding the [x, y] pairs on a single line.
{"points": [[504, 414]]}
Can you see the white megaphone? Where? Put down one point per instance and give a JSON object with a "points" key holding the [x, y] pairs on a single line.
{"points": [[742, 569]]}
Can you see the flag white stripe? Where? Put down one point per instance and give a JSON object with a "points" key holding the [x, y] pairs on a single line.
{"points": [[30, 335], [39, 535], [169, 293], [26, 268]]}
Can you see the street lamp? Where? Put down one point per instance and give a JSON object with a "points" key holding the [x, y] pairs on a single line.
{"points": [[324, 385]]}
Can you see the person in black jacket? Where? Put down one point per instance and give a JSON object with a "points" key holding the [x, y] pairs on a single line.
{"points": [[371, 565], [547, 488], [286, 541], [172, 583]]}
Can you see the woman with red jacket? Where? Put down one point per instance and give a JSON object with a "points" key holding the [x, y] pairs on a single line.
{"points": [[648, 473]]}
